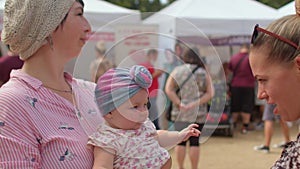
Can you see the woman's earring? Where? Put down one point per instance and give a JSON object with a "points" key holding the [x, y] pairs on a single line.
{"points": [[49, 39]]}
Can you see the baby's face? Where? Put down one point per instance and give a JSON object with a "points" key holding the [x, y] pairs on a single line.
{"points": [[131, 114]]}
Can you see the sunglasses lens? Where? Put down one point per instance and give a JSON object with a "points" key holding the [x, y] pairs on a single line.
{"points": [[254, 34]]}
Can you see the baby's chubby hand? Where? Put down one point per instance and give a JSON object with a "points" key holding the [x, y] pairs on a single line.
{"points": [[191, 130]]}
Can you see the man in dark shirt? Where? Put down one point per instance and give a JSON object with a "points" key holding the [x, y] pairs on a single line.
{"points": [[242, 87], [7, 63]]}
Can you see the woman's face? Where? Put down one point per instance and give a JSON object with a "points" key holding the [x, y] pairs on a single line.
{"points": [[131, 114], [169, 56], [72, 34], [278, 84], [178, 51]]}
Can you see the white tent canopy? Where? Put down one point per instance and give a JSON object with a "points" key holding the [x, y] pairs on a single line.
{"points": [[213, 17], [200, 22], [287, 9], [100, 12]]}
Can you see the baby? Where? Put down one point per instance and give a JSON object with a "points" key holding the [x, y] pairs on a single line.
{"points": [[128, 139]]}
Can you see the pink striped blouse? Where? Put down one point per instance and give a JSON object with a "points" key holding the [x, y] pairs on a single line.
{"points": [[40, 129]]}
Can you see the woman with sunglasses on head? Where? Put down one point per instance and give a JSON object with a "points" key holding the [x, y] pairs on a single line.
{"points": [[41, 106], [275, 63]]}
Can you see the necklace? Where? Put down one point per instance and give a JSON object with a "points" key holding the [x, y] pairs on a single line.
{"points": [[58, 90]]}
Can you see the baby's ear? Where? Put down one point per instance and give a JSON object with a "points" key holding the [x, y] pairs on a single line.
{"points": [[108, 115]]}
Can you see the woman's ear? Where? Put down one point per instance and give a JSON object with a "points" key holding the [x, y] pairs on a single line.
{"points": [[297, 62]]}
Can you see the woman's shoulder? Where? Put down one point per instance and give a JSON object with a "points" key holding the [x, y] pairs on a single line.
{"points": [[85, 84], [14, 101], [180, 68], [288, 156], [200, 70], [12, 92]]}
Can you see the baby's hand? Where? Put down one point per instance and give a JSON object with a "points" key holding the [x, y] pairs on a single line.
{"points": [[191, 130]]}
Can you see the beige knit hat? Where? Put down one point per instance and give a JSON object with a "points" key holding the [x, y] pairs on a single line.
{"points": [[27, 23]]}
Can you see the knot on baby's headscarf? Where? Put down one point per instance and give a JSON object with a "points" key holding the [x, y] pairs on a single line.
{"points": [[141, 76], [117, 85]]}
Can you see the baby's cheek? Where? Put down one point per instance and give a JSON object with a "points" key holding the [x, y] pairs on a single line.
{"points": [[144, 117], [141, 117], [135, 116]]}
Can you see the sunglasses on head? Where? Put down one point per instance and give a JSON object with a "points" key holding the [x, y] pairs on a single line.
{"points": [[258, 29]]}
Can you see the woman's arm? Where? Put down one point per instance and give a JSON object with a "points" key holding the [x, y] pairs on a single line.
{"points": [[19, 146], [103, 159], [170, 90], [157, 73]]}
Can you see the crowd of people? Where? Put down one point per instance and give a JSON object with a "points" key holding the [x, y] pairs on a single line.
{"points": [[49, 119]]}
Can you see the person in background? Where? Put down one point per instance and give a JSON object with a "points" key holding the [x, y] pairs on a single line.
{"points": [[242, 88], [173, 61], [151, 58], [269, 118], [259, 111], [101, 64], [128, 139], [7, 63], [190, 104], [41, 106], [179, 51], [275, 63]]}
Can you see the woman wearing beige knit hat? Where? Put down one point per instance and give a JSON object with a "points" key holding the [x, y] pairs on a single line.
{"points": [[41, 106]]}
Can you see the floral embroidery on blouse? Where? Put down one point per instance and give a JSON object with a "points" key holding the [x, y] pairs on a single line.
{"points": [[289, 158]]}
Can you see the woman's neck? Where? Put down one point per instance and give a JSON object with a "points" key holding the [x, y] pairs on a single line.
{"points": [[44, 66]]}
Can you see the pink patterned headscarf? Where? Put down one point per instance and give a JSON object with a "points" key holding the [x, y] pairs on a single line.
{"points": [[117, 85]]}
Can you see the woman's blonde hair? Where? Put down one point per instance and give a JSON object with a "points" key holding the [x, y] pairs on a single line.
{"points": [[278, 50]]}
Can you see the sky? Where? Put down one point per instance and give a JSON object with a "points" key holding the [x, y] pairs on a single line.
{"points": [[163, 1]]}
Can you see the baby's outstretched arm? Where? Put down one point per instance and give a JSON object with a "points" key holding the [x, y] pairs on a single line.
{"points": [[168, 139]]}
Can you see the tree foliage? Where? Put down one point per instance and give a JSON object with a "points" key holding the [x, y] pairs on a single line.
{"points": [[156, 5], [142, 5], [275, 3]]}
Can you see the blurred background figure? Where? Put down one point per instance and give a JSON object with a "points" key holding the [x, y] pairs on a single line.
{"points": [[7, 63], [101, 64], [242, 88], [173, 59], [259, 110], [179, 51], [190, 104], [151, 58], [269, 117]]}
